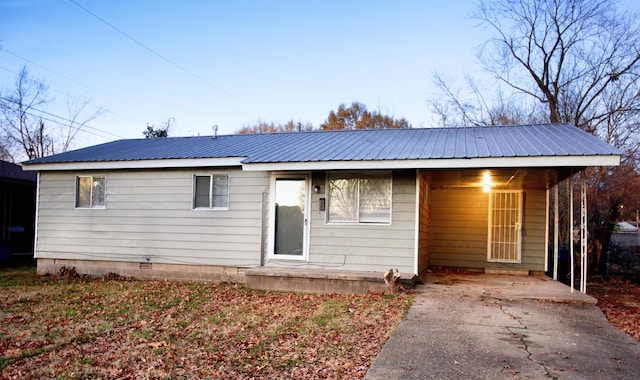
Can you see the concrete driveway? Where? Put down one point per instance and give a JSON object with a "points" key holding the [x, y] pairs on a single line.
{"points": [[483, 326]]}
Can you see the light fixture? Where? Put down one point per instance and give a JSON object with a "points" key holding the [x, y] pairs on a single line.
{"points": [[486, 182], [316, 189]]}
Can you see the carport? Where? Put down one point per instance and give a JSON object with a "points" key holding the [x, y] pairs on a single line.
{"points": [[506, 219]]}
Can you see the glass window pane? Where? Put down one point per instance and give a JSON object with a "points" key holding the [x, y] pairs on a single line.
{"points": [[375, 198], [289, 221], [83, 192], [343, 198], [201, 196], [221, 191], [99, 187]]}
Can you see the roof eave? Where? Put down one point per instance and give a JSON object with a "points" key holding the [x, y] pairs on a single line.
{"points": [[136, 164], [443, 163], [447, 163]]}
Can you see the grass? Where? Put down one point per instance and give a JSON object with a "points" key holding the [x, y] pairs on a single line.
{"points": [[21, 276], [64, 327]]}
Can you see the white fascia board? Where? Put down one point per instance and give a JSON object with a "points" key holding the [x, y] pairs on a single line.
{"points": [[454, 163], [138, 164]]}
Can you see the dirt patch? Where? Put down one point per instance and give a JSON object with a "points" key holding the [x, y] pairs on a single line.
{"points": [[446, 276], [619, 301]]}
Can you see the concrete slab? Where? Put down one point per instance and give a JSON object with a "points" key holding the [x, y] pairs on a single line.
{"points": [[509, 287], [482, 326], [319, 281]]}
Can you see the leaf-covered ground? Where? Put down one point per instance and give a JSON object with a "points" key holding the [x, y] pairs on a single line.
{"points": [[70, 328], [619, 301]]}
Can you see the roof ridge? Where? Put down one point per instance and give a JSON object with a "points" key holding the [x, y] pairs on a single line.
{"points": [[348, 131]]}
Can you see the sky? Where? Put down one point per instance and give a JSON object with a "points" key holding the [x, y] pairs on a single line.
{"points": [[234, 63]]}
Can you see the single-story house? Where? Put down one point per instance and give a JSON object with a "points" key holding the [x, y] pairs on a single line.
{"points": [[17, 211], [308, 209]]}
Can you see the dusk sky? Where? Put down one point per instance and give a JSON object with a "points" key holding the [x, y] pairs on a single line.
{"points": [[233, 63]]}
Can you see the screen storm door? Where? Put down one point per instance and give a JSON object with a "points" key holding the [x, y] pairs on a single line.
{"points": [[290, 217], [505, 226]]}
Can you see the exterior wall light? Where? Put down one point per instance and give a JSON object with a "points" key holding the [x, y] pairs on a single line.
{"points": [[486, 182]]}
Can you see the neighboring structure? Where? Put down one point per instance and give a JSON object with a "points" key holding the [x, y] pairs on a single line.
{"points": [[17, 211], [625, 235], [297, 209]]}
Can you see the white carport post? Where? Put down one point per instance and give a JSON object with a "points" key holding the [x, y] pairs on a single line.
{"points": [[571, 231], [556, 231], [583, 232], [547, 215]]}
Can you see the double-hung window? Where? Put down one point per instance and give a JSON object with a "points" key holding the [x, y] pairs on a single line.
{"points": [[359, 198], [211, 191], [90, 191]]}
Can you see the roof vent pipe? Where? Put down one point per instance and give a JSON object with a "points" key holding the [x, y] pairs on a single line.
{"points": [[215, 131]]}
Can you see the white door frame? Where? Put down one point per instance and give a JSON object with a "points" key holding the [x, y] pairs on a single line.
{"points": [[272, 218]]}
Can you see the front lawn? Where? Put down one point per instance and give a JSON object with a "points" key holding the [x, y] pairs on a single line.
{"points": [[68, 327]]}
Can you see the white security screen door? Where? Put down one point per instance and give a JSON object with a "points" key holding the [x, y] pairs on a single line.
{"points": [[505, 226]]}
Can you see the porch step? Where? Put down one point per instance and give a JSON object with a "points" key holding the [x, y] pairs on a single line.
{"points": [[319, 280], [509, 271]]}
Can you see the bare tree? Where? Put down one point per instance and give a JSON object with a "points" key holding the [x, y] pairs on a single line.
{"points": [[355, 116], [28, 130], [580, 58], [162, 130], [571, 61], [474, 105], [22, 131], [271, 127], [78, 117]]}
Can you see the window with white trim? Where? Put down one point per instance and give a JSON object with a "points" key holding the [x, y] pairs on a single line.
{"points": [[90, 191], [359, 198], [211, 191]]}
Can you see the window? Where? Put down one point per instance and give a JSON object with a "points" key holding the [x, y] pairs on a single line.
{"points": [[211, 191], [90, 191], [359, 198]]}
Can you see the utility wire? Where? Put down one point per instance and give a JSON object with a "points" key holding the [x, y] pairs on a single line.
{"points": [[57, 116], [81, 126], [47, 86], [70, 122], [67, 78], [169, 61], [65, 125]]}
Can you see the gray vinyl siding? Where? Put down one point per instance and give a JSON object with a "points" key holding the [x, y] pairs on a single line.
{"points": [[459, 227], [148, 217], [367, 247], [424, 210], [533, 237], [459, 218]]}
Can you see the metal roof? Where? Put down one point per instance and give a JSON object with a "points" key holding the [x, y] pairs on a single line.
{"points": [[545, 140], [12, 172]]}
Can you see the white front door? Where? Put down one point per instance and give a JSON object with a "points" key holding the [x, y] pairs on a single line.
{"points": [[289, 219]]}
